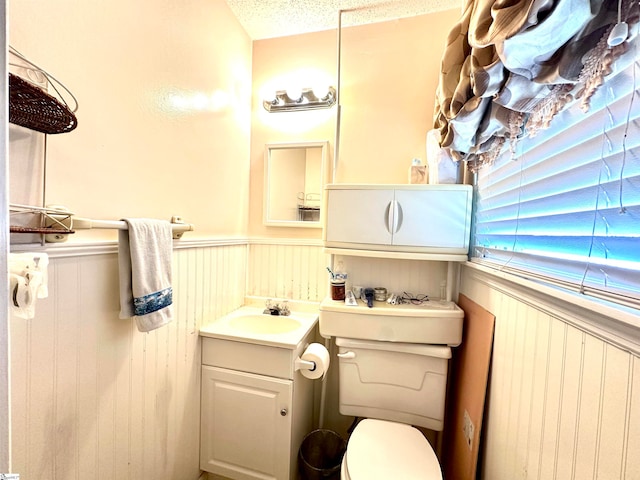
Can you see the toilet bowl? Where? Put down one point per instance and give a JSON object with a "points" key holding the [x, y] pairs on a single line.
{"points": [[383, 450]]}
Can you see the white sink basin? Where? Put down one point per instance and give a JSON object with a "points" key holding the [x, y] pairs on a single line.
{"points": [[434, 322], [248, 324], [269, 324]]}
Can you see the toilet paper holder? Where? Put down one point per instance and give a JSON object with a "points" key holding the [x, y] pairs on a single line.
{"points": [[300, 364], [313, 362]]}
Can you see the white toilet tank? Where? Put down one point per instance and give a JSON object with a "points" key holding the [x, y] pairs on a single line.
{"points": [[401, 382]]}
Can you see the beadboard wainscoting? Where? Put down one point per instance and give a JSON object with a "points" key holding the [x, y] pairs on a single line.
{"points": [[293, 269], [564, 398], [93, 398], [415, 277], [297, 269]]}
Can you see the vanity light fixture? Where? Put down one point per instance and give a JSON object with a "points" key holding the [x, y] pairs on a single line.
{"points": [[308, 100]]}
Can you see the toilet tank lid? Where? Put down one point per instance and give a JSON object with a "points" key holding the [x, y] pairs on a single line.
{"points": [[438, 351]]}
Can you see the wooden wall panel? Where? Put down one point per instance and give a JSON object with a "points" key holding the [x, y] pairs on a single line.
{"points": [[466, 396], [563, 403]]}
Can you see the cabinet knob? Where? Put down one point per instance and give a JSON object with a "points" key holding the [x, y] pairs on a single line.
{"points": [[283, 412]]}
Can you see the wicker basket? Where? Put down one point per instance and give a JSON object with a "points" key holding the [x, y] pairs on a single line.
{"points": [[33, 108]]}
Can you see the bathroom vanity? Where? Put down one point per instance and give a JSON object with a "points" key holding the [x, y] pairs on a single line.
{"points": [[255, 406]]}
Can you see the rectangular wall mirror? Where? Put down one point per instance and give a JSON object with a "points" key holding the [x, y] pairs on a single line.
{"points": [[293, 182]]}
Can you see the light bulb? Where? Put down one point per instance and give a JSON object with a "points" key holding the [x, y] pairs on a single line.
{"points": [[321, 90], [294, 93]]}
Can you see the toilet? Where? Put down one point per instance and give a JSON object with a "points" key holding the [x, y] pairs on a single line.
{"points": [[395, 387]]}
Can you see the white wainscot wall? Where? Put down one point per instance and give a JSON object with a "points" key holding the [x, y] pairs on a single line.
{"points": [[297, 270], [287, 269], [93, 398], [563, 403]]}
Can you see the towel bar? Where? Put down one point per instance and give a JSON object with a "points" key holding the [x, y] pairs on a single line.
{"points": [[177, 225], [58, 222]]}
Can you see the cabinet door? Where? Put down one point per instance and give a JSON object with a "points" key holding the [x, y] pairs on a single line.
{"points": [[433, 218], [246, 424], [359, 216]]}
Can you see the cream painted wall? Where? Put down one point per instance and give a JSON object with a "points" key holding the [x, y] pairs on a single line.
{"points": [[277, 63], [164, 117], [389, 78], [151, 141]]}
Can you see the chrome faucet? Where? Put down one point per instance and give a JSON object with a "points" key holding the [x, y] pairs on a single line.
{"points": [[275, 308]]}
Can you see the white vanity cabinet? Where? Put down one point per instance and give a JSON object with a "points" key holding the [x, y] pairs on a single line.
{"points": [[395, 219], [246, 423], [255, 409]]}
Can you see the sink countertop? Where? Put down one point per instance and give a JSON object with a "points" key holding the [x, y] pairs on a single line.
{"points": [[222, 328], [434, 322]]}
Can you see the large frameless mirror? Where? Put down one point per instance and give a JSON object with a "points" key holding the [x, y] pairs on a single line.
{"points": [[294, 178]]}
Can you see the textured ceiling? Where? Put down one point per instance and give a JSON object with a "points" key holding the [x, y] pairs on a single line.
{"points": [[278, 18]]}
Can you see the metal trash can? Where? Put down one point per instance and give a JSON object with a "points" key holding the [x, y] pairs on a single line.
{"points": [[320, 455]]}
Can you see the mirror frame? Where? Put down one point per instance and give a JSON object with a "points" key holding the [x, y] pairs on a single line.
{"points": [[269, 147]]}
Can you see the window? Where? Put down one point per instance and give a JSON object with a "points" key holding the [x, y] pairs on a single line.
{"points": [[566, 207]]}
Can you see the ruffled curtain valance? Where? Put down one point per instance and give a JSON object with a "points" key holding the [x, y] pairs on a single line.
{"points": [[510, 66]]}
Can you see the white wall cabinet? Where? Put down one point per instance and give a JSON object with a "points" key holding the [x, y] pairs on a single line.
{"points": [[403, 221]]}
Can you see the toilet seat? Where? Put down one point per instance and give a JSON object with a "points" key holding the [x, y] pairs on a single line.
{"points": [[380, 450]]}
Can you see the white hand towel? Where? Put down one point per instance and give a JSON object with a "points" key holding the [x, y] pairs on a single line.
{"points": [[144, 260]]}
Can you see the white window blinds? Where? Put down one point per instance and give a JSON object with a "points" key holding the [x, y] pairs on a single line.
{"points": [[567, 208]]}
